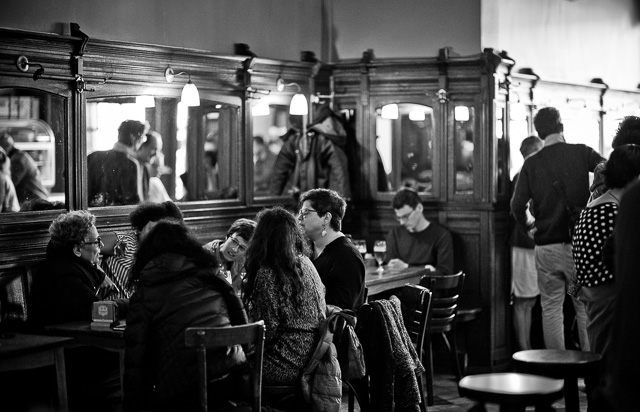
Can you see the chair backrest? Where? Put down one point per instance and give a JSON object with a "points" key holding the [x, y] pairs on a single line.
{"points": [[444, 302], [211, 338], [416, 311]]}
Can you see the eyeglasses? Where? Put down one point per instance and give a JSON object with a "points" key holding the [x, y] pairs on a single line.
{"points": [[302, 214], [98, 242], [239, 247], [405, 217]]}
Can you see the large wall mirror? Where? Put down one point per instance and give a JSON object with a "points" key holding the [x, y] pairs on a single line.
{"points": [[406, 147], [184, 154], [33, 126]]}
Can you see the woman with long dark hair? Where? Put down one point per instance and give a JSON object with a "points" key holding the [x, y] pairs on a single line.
{"points": [[283, 289], [176, 288]]}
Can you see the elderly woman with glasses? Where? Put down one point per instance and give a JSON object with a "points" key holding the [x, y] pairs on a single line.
{"points": [[337, 261], [64, 290], [71, 279]]}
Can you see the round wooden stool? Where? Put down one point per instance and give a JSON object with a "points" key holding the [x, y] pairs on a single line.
{"points": [[560, 364], [512, 391]]}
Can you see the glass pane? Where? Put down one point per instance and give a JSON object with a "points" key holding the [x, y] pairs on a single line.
{"points": [[519, 130], [32, 129], [176, 139], [464, 147], [581, 127], [404, 142], [268, 129]]}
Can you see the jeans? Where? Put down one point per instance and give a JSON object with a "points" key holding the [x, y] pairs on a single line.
{"points": [[600, 307], [555, 267]]}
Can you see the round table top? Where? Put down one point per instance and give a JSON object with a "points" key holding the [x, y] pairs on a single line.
{"points": [[555, 356], [556, 363], [511, 388], [511, 384]]}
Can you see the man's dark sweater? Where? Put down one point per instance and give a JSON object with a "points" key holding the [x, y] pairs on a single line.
{"points": [[569, 164]]}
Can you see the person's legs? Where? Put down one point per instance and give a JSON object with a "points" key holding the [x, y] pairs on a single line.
{"points": [[568, 268], [525, 291], [599, 302], [551, 281], [522, 308]]}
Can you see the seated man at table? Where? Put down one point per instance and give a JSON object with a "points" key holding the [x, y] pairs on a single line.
{"points": [[416, 240]]}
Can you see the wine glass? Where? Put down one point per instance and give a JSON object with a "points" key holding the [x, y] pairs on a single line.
{"points": [[379, 250], [361, 245]]}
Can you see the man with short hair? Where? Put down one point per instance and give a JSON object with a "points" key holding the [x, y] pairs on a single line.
{"points": [[25, 174], [116, 176], [231, 251], [554, 179], [416, 240]]}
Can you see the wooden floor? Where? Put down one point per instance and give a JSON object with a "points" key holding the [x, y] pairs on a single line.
{"points": [[447, 398]]}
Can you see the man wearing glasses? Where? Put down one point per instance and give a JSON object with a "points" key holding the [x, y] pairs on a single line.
{"points": [[416, 240], [230, 252]]}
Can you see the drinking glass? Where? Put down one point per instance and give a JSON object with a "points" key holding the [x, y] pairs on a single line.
{"points": [[361, 245], [379, 250]]}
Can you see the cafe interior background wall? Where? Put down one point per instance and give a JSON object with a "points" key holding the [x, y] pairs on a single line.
{"points": [[599, 38]]}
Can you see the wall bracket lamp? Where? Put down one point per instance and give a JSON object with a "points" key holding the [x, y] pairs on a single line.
{"points": [[190, 95], [299, 105], [23, 65]]}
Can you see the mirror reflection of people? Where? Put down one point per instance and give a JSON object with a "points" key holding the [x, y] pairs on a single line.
{"points": [[24, 171], [177, 287], [116, 176], [8, 198], [263, 161], [230, 252], [151, 159], [338, 262]]}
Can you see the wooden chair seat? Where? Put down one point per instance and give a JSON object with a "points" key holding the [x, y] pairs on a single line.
{"points": [[512, 391]]}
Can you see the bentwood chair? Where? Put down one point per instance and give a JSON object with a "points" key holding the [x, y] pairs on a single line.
{"points": [[444, 308], [211, 338], [415, 302]]}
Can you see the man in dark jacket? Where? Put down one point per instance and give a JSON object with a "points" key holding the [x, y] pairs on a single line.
{"points": [[24, 172], [116, 175], [554, 179]]}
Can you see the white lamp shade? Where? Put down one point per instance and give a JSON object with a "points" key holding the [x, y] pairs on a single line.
{"points": [[260, 109], [389, 111], [190, 95], [146, 101], [461, 113], [299, 105]]}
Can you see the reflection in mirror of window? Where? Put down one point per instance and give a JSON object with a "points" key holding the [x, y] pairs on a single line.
{"points": [[464, 148], [32, 127], [518, 131], [202, 139], [581, 126], [268, 125], [404, 142]]}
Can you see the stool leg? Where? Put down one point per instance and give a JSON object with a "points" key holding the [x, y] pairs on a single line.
{"points": [[571, 400], [61, 377], [478, 407]]}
